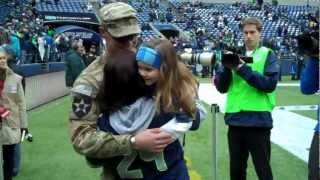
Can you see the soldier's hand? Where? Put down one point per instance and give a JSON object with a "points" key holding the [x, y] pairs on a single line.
{"points": [[152, 140]]}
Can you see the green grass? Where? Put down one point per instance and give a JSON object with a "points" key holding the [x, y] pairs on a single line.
{"points": [[199, 149], [287, 79], [292, 96], [51, 157], [204, 80]]}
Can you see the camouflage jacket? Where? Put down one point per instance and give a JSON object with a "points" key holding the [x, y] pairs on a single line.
{"points": [[85, 137]]}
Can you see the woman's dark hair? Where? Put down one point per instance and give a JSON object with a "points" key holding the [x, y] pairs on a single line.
{"points": [[122, 84]]}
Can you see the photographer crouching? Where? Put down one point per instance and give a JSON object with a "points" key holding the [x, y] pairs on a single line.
{"points": [[13, 114], [308, 44], [250, 86]]}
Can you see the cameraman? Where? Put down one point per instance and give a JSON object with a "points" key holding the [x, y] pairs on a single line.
{"points": [[250, 100], [309, 84]]}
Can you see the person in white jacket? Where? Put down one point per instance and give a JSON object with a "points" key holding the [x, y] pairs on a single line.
{"points": [[13, 112]]}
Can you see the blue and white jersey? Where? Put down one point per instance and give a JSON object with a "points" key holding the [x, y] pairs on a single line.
{"points": [[168, 165]]}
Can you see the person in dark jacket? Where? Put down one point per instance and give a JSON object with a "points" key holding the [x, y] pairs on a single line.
{"points": [[91, 55], [250, 100], [74, 63], [309, 84]]}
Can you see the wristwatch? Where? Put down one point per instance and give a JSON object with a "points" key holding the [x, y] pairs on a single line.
{"points": [[132, 140]]}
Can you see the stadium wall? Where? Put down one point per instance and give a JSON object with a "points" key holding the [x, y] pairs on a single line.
{"points": [[44, 88], [43, 84]]}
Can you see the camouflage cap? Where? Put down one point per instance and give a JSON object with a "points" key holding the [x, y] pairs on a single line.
{"points": [[120, 18]]}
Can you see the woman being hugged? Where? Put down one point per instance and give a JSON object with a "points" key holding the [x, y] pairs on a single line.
{"points": [[13, 113]]}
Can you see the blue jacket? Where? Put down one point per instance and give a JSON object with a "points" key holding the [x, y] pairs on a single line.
{"points": [[173, 155], [15, 44], [170, 167], [309, 83]]}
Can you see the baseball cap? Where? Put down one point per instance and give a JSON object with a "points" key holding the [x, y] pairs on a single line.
{"points": [[120, 18]]}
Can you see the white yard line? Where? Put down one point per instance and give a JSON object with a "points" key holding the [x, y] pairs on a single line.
{"points": [[293, 132], [288, 84]]}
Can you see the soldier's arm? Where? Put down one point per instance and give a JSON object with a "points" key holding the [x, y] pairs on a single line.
{"points": [[85, 138]]}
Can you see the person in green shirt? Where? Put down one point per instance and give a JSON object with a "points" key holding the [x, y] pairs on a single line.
{"points": [[250, 99], [74, 63]]}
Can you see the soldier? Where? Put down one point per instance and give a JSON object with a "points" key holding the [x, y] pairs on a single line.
{"points": [[119, 27]]}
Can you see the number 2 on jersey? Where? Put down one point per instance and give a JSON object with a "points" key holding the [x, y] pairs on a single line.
{"points": [[123, 167]]}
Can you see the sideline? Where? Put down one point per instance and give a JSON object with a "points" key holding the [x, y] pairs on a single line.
{"points": [[194, 175]]}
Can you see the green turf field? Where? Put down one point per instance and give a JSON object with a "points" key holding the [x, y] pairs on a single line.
{"points": [[51, 157], [292, 96]]}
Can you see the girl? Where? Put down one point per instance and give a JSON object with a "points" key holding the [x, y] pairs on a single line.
{"points": [[175, 93], [13, 113], [175, 86], [168, 101]]}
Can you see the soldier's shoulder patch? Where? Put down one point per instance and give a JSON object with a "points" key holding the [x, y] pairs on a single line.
{"points": [[83, 89], [81, 105]]}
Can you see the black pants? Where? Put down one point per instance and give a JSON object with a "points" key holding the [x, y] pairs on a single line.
{"points": [[8, 154], [245, 140], [313, 164]]}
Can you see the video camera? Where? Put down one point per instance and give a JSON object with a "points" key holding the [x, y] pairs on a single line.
{"points": [[231, 59], [308, 43], [234, 57]]}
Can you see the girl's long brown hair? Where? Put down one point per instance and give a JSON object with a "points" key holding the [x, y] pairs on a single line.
{"points": [[177, 87]]}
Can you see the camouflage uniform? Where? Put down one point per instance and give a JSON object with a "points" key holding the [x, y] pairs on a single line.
{"points": [[121, 21]]}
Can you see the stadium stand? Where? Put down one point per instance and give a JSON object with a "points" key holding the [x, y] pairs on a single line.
{"points": [[64, 6], [219, 22], [208, 27]]}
